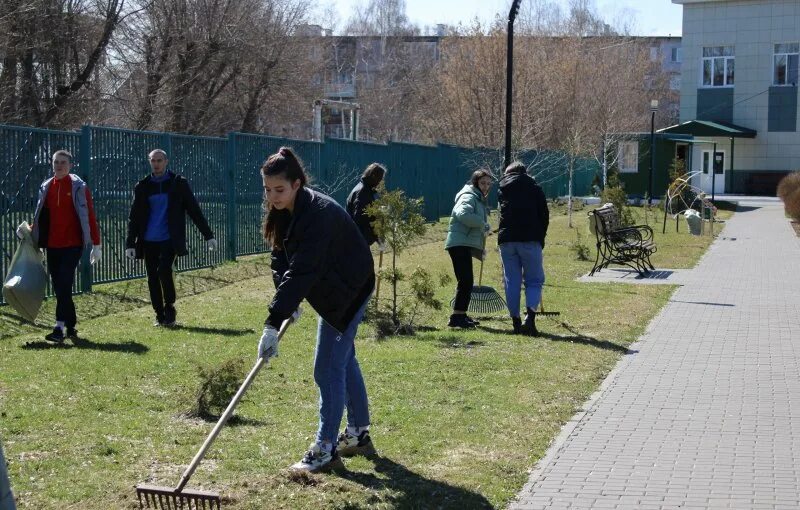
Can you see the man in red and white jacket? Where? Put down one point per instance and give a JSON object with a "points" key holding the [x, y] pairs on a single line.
{"points": [[65, 224]]}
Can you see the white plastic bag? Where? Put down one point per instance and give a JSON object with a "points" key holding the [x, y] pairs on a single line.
{"points": [[694, 221], [25, 284]]}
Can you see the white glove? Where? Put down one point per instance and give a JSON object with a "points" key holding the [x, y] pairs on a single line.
{"points": [[20, 232], [381, 246], [212, 244], [268, 345], [297, 313], [94, 256], [130, 253], [487, 228]]}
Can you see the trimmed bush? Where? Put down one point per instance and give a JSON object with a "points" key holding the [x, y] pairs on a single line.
{"points": [[789, 184], [791, 204]]}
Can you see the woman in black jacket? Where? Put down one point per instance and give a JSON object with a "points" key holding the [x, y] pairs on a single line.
{"points": [[318, 254], [363, 194]]}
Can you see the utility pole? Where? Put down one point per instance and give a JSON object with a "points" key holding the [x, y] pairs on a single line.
{"points": [[512, 15]]}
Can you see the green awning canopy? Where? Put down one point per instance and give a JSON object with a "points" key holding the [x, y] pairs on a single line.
{"points": [[709, 129]]}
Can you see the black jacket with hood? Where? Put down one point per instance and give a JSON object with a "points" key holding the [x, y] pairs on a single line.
{"points": [[361, 197], [524, 216], [324, 260]]}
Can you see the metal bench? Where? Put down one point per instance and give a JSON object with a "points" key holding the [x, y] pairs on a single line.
{"points": [[624, 245]]}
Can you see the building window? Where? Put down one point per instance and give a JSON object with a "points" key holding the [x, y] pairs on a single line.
{"points": [[675, 82], [629, 157], [718, 66], [676, 56], [653, 53], [785, 64]]}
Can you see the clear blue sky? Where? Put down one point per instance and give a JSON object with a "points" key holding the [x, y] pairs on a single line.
{"points": [[650, 17]]}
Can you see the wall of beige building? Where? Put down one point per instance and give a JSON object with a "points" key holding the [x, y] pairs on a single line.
{"points": [[753, 27]]}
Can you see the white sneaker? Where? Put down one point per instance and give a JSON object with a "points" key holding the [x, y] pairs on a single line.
{"points": [[317, 460], [348, 445]]}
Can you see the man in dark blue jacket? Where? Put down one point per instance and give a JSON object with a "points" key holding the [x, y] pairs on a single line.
{"points": [[524, 219], [157, 231]]}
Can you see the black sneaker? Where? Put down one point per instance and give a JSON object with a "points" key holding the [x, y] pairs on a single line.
{"points": [[170, 316], [473, 321], [348, 445], [72, 333], [459, 320], [57, 335], [317, 460]]}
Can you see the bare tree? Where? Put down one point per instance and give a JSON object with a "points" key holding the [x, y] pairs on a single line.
{"points": [[53, 51], [207, 67]]}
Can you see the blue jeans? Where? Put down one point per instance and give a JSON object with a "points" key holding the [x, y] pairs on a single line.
{"points": [[522, 262], [339, 379]]}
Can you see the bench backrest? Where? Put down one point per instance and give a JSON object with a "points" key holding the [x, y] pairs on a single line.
{"points": [[605, 220]]}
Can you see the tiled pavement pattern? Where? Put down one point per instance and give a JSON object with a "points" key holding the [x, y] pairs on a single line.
{"points": [[706, 412]]}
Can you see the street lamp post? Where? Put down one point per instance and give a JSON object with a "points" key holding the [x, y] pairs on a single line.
{"points": [[653, 110], [512, 15]]}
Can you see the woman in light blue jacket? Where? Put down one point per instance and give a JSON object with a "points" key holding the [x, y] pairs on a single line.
{"points": [[466, 235]]}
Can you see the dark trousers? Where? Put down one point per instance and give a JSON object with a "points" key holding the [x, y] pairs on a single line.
{"points": [[158, 260], [462, 267], [62, 262]]}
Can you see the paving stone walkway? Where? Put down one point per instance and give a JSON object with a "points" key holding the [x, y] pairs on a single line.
{"points": [[706, 411]]}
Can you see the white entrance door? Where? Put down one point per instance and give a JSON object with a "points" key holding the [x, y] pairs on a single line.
{"points": [[713, 168]]}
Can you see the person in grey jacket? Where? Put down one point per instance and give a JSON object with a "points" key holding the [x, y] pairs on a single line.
{"points": [[64, 224], [466, 238]]}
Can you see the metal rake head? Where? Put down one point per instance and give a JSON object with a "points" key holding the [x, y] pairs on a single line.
{"points": [[167, 498], [484, 299]]}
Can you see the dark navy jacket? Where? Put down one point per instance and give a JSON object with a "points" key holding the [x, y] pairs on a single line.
{"points": [[524, 216], [324, 260], [181, 201]]}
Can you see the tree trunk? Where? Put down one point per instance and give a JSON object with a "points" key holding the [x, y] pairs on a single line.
{"points": [[569, 193]]}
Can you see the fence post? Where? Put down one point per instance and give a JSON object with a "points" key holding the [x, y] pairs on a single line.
{"points": [[230, 188], [85, 163]]}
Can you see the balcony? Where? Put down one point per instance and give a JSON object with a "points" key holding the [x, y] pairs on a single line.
{"points": [[344, 90]]}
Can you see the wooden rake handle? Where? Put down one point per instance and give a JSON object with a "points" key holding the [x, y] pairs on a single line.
{"points": [[227, 414]]}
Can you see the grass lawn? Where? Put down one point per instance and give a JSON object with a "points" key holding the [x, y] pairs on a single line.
{"points": [[458, 417]]}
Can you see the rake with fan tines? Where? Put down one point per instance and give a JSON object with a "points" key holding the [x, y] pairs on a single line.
{"points": [[483, 299], [169, 498]]}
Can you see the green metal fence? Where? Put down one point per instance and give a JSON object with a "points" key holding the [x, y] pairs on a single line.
{"points": [[224, 175]]}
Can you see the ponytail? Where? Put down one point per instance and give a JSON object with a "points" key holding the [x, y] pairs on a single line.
{"points": [[286, 164]]}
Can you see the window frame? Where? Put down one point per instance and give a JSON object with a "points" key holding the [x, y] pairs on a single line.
{"points": [[727, 54], [787, 54], [621, 157]]}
